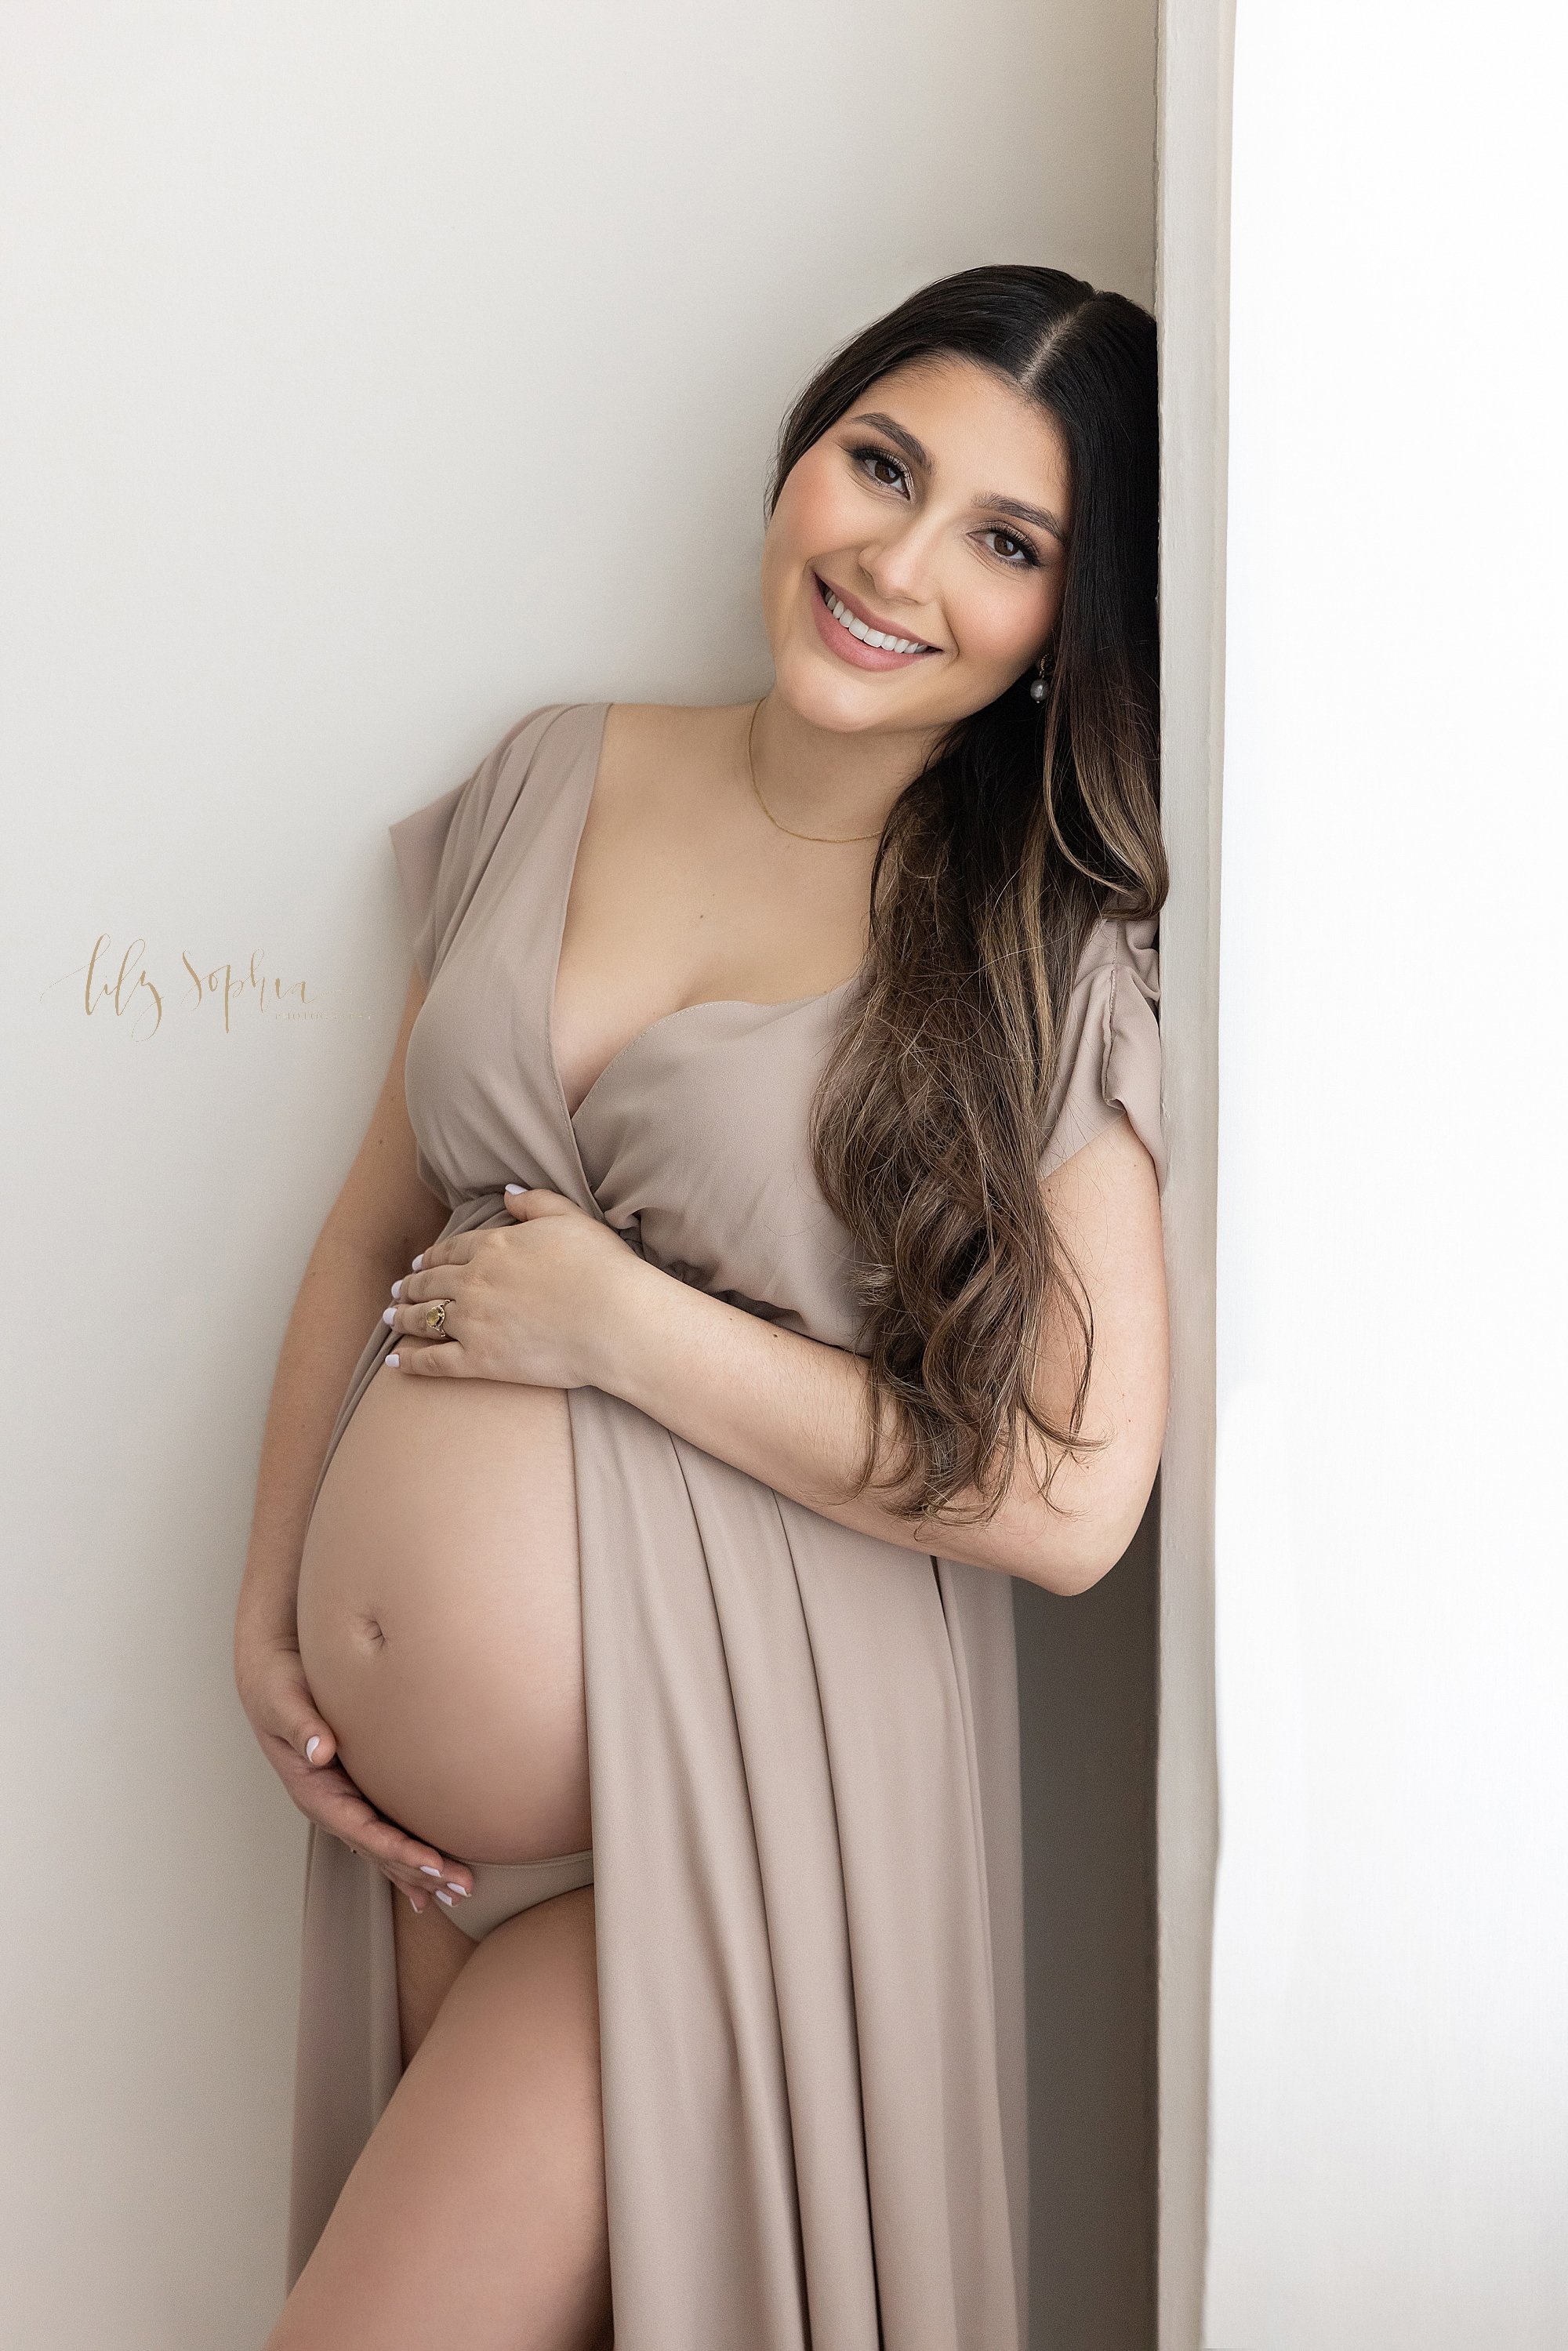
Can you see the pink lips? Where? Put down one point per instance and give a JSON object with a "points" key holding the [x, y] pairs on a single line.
{"points": [[849, 648]]}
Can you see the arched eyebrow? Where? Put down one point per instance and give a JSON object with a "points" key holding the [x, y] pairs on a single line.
{"points": [[918, 455], [1022, 513]]}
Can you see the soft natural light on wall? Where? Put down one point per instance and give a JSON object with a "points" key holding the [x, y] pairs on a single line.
{"points": [[1390, 2148]]}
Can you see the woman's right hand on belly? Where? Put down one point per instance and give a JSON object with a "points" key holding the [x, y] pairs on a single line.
{"points": [[302, 1750]]}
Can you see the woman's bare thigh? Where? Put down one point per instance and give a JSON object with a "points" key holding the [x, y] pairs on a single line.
{"points": [[431, 1954], [476, 2213]]}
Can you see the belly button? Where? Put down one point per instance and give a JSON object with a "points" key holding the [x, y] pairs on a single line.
{"points": [[371, 1633]]}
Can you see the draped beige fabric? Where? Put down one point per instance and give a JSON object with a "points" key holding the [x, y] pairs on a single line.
{"points": [[803, 1742]]}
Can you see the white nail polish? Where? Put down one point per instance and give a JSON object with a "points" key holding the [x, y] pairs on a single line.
{"points": [[419, 1260], [390, 1314], [453, 1886], [391, 1363], [443, 1897], [397, 1289], [516, 1187], [426, 1870], [310, 1747], [413, 1905]]}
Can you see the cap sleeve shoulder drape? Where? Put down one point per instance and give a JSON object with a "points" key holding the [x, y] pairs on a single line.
{"points": [[442, 848], [1110, 1062]]}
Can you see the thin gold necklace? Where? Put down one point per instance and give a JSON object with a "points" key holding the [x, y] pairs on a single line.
{"points": [[832, 840]]}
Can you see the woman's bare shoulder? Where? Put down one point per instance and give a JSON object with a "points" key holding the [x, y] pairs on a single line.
{"points": [[674, 723], [646, 743]]}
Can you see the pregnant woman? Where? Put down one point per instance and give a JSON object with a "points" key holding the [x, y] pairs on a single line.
{"points": [[758, 1240]]}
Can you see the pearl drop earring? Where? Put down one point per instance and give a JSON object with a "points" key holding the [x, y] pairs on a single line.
{"points": [[1037, 684]]}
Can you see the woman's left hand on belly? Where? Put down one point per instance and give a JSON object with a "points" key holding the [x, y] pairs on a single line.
{"points": [[536, 1302]]}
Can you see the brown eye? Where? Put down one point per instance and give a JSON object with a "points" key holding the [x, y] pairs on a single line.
{"points": [[880, 468], [1012, 549]]}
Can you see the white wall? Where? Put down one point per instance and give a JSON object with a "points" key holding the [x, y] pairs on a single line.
{"points": [[1391, 2034], [377, 373], [1195, 38]]}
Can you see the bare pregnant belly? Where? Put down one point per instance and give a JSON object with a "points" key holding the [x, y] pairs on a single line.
{"points": [[440, 1617]]}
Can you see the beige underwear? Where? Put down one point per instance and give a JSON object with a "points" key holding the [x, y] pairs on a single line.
{"points": [[502, 1888]]}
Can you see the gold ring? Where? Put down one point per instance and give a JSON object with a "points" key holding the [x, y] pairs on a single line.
{"points": [[436, 1315]]}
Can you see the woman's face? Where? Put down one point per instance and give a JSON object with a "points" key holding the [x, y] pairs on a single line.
{"points": [[936, 513]]}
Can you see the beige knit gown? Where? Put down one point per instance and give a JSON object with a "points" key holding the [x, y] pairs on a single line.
{"points": [[803, 1743]]}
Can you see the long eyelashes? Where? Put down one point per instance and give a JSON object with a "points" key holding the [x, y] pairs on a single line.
{"points": [[871, 454], [1026, 558]]}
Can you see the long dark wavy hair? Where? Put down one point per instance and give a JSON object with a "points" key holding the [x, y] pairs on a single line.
{"points": [[1029, 822]]}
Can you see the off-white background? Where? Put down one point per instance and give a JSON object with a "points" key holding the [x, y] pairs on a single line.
{"points": [[1390, 2126], [376, 373], [1196, 41]]}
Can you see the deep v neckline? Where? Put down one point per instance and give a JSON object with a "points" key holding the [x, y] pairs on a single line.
{"points": [[588, 768]]}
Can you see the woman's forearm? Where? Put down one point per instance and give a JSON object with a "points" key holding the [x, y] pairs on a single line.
{"points": [[791, 1412], [343, 1290], [559, 1301], [381, 1217]]}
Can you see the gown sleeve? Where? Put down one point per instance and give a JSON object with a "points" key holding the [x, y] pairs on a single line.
{"points": [[443, 848], [1110, 1062]]}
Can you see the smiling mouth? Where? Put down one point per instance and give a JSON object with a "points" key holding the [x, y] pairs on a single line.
{"points": [[879, 639]]}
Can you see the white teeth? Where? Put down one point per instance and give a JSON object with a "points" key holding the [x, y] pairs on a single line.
{"points": [[857, 628]]}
